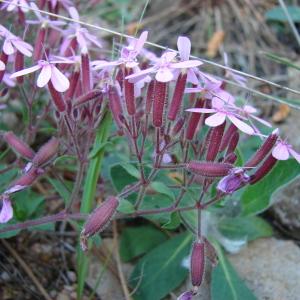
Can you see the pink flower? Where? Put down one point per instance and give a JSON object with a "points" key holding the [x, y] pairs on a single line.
{"points": [[13, 43], [186, 295], [128, 54], [249, 112], [283, 150], [81, 35], [2, 65], [184, 48], [48, 72], [13, 4], [221, 111], [44, 21], [6, 212]]}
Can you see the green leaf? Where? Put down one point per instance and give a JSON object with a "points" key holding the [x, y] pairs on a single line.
{"points": [[9, 234], [120, 177], [95, 151], [160, 271], [61, 188], [136, 241], [174, 221], [256, 198], [226, 284], [281, 60], [277, 14], [6, 178], [132, 170], [249, 227], [125, 207], [162, 188]]}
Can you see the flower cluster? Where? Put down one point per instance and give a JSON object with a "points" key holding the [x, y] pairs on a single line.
{"points": [[190, 120]]}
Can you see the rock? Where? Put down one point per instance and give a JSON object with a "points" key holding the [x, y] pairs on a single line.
{"points": [[270, 268]]}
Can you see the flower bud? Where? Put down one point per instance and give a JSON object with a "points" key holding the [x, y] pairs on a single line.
{"points": [[264, 169], [160, 92], [46, 152], [120, 77], [236, 179], [24, 181], [178, 126], [38, 45], [85, 71], [177, 97], [227, 136], [115, 105], [263, 151], [209, 169], [194, 121], [98, 219], [57, 98], [230, 158], [197, 263], [215, 138], [150, 96], [19, 65], [129, 95], [233, 143], [73, 84], [89, 96], [18, 145]]}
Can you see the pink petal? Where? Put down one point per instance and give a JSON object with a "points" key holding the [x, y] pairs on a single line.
{"points": [[59, 80], [140, 42], [242, 126], [74, 13], [202, 110], [6, 212], [187, 64], [216, 119], [191, 77], [81, 40], [281, 151], [295, 154], [101, 64], [2, 65], [184, 47], [168, 56], [25, 71], [164, 75], [8, 48], [193, 90], [135, 77], [44, 76], [93, 39], [23, 47], [261, 121], [249, 109]]}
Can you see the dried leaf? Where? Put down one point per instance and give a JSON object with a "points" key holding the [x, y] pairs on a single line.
{"points": [[282, 113], [215, 43]]}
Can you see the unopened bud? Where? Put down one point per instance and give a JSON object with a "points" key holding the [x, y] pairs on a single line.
{"points": [[227, 136], [98, 219], [24, 181], [73, 84], [115, 105], [209, 169], [233, 143], [177, 97], [18, 145], [197, 263], [194, 121], [19, 65], [57, 98], [38, 45], [85, 72], [129, 96], [46, 152], [263, 151], [89, 96], [214, 142], [149, 98], [178, 126], [264, 169], [160, 91]]}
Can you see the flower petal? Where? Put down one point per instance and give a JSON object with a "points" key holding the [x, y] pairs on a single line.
{"points": [[201, 110], [295, 154], [184, 47], [25, 71], [242, 126], [23, 47], [59, 80], [140, 42], [74, 13], [168, 56], [187, 64], [216, 119], [6, 212], [135, 77], [8, 48], [2, 65], [281, 151], [44, 76], [164, 75]]}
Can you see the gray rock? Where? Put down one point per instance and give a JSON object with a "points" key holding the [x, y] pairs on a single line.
{"points": [[270, 268]]}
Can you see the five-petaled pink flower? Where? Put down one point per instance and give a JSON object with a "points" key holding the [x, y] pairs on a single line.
{"points": [[6, 212], [221, 111], [48, 72], [128, 54], [283, 150]]}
